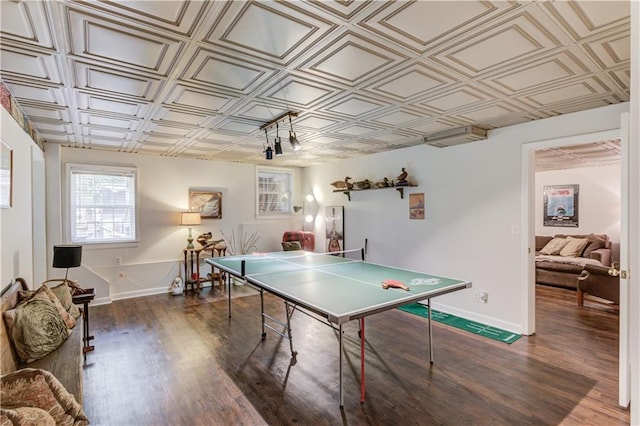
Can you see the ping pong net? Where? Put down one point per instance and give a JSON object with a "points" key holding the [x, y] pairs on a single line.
{"points": [[287, 261]]}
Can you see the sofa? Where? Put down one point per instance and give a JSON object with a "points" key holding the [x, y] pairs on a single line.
{"points": [[47, 386], [305, 240], [561, 268]]}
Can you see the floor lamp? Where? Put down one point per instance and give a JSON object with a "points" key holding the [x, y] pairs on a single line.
{"points": [[67, 256]]}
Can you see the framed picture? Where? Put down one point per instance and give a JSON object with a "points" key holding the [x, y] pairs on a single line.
{"points": [[207, 203], [334, 217], [561, 205], [416, 206], [6, 176]]}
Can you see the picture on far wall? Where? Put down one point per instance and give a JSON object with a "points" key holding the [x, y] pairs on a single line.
{"points": [[334, 216], [208, 203], [561, 206], [416, 206]]}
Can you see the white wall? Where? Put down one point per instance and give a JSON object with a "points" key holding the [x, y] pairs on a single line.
{"points": [[598, 202], [16, 222], [473, 200], [149, 266]]}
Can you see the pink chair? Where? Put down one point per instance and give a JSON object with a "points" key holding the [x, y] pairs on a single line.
{"points": [[306, 239]]}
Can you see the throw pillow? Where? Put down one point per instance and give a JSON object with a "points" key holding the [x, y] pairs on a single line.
{"points": [[574, 247], [291, 245], [63, 293], [31, 387], [26, 416], [45, 291], [541, 241], [554, 246], [37, 329], [594, 244]]}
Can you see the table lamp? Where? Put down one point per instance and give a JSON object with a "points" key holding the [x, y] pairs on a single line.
{"points": [[67, 256], [189, 219]]}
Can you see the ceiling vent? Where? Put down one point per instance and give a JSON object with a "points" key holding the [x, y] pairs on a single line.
{"points": [[456, 136]]}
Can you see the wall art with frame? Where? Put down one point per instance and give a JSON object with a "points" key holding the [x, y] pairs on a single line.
{"points": [[416, 206], [561, 205], [207, 203], [6, 176]]}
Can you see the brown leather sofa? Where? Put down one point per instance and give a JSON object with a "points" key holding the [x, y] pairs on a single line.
{"points": [[560, 274], [597, 281]]}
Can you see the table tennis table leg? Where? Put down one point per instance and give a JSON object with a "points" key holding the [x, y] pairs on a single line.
{"points": [[229, 293], [340, 367], [362, 387], [264, 333], [430, 333]]}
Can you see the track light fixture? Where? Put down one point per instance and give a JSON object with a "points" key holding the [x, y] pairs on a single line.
{"points": [[295, 143], [277, 142], [268, 151]]}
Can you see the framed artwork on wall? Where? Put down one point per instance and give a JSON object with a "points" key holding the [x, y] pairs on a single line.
{"points": [[6, 176], [561, 205], [334, 217], [416, 206], [207, 203]]}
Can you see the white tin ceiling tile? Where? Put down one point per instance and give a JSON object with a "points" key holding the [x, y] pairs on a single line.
{"points": [[397, 117], [583, 19], [95, 38], [354, 106], [211, 69], [416, 80], [108, 81], [46, 114], [569, 107], [298, 91], [171, 116], [95, 103], [462, 98], [357, 130], [177, 16], [508, 42], [24, 64], [100, 121], [316, 122], [275, 32], [351, 58], [26, 22], [434, 126], [490, 112], [421, 25], [27, 93], [611, 50], [198, 99], [568, 92], [345, 9]]}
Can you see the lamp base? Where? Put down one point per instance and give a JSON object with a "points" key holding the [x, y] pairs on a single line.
{"points": [[190, 240]]}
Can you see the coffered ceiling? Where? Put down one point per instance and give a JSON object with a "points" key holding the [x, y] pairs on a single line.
{"points": [[197, 79]]}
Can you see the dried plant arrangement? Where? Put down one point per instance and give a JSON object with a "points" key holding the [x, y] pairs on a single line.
{"points": [[243, 245]]}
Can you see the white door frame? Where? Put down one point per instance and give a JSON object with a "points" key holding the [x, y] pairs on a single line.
{"points": [[528, 240]]}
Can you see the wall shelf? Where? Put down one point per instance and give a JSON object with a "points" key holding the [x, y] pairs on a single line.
{"points": [[400, 189]]}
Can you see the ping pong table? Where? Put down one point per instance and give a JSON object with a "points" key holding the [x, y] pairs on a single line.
{"points": [[335, 288]]}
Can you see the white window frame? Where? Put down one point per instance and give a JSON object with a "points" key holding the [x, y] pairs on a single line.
{"points": [[132, 172], [288, 208]]}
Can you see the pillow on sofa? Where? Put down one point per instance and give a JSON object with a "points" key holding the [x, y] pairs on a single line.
{"points": [[291, 245], [37, 329], [26, 416], [31, 387], [541, 241], [594, 244], [574, 247], [554, 246], [45, 292], [63, 293]]}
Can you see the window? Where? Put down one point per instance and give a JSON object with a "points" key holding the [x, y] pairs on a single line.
{"points": [[102, 204], [274, 191]]}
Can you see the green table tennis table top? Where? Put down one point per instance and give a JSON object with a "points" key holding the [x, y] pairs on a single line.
{"points": [[335, 287]]}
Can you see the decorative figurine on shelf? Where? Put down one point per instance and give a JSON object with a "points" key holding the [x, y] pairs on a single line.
{"points": [[401, 180], [345, 184], [204, 238], [385, 183], [363, 184]]}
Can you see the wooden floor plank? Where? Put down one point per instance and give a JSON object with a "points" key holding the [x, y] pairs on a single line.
{"points": [[181, 361]]}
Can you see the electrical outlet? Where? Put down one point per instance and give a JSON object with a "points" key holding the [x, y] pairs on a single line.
{"points": [[118, 260], [481, 297]]}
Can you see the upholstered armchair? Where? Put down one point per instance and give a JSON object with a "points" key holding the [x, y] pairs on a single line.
{"points": [[596, 281], [306, 239]]}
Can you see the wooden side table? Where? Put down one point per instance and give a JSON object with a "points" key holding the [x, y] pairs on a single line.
{"points": [[84, 299], [192, 268]]}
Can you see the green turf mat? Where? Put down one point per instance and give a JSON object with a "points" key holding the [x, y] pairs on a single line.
{"points": [[462, 324]]}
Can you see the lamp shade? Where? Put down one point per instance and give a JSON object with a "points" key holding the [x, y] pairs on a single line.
{"points": [[190, 218], [67, 256]]}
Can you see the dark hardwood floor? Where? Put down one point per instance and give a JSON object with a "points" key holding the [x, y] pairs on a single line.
{"points": [[178, 360]]}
